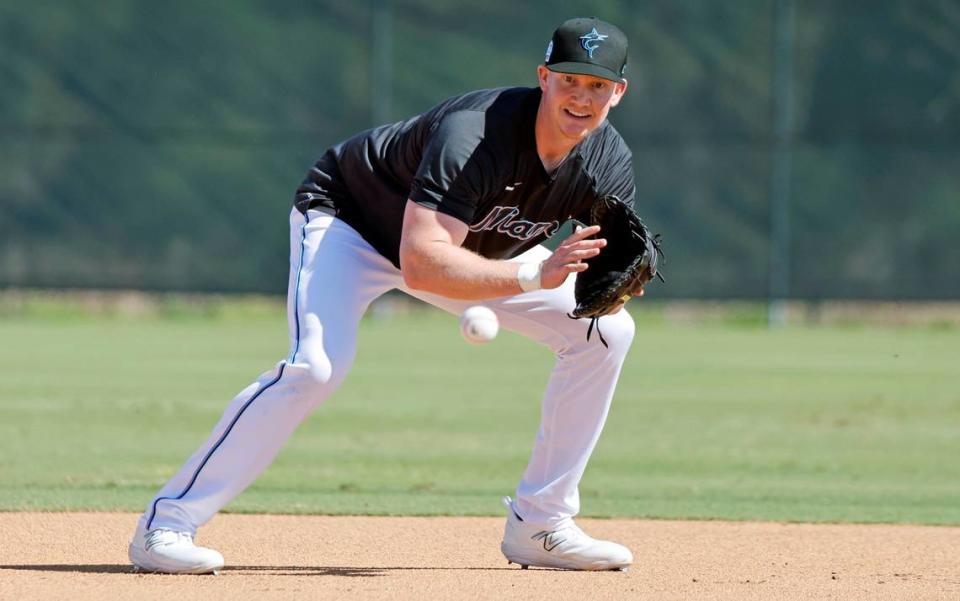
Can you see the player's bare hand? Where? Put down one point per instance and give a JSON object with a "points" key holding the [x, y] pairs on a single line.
{"points": [[569, 257]]}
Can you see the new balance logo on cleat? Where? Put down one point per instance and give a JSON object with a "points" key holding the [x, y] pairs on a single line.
{"points": [[566, 546], [550, 540]]}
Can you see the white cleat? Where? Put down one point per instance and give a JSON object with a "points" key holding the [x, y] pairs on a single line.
{"points": [[567, 547], [171, 552]]}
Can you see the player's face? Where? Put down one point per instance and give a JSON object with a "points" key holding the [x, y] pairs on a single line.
{"points": [[577, 104]]}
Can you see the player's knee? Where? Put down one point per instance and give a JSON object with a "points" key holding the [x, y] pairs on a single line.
{"points": [[618, 331], [321, 375]]}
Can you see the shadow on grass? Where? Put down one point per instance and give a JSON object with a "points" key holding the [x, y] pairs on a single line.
{"points": [[352, 572]]}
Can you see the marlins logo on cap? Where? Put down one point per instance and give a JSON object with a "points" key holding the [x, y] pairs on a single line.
{"points": [[592, 40]]}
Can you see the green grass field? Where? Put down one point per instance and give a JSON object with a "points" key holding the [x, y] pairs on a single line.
{"points": [[720, 420]]}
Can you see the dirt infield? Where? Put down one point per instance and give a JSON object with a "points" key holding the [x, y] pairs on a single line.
{"points": [[83, 556]]}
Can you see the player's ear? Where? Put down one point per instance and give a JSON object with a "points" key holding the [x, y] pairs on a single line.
{"points": [[619, 89], [542, 74]]}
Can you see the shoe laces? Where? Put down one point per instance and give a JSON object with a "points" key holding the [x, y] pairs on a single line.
{"points": [[165, 536], [571, 526], [577, 532]]}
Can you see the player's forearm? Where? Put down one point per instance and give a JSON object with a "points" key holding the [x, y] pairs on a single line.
{"points": [[455, 272]]}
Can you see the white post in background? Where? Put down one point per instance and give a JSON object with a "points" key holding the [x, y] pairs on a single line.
{"points": [[381, 86], [782, 163]]}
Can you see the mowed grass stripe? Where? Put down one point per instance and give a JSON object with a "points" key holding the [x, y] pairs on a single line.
{"points": [[717, 421]]}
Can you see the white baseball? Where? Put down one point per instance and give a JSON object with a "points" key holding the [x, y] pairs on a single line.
{"points": [[479, 325]]}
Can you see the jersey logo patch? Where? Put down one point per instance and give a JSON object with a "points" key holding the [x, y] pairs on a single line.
{"points": [[504, 221]]}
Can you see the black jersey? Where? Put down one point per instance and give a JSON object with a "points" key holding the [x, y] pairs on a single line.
{"points": [[473, 157]]}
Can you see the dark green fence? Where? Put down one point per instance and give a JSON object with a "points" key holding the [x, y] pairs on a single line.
{"points": [[157, 145]]}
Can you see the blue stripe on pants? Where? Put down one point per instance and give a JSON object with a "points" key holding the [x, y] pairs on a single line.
{"points": [[223, 437]]}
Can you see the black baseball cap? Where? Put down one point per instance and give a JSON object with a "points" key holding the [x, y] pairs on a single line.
{"points": [[588, 46]]}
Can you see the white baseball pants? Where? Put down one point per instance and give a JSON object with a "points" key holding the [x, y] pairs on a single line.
{"points": [[334, 275]]}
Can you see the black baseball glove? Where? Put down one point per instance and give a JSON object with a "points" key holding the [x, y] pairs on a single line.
{"points": [[624, 265]]}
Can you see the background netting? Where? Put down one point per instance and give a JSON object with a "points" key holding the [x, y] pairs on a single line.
{"points": [[157, 146]]}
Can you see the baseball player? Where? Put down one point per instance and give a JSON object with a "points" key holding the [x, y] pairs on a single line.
{"points": [[449, 206]]}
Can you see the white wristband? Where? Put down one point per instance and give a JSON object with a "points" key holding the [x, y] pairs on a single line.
{"points": [[529, 276]]}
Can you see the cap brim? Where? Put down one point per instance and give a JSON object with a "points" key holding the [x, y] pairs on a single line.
{"points": [[586, 69]]}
